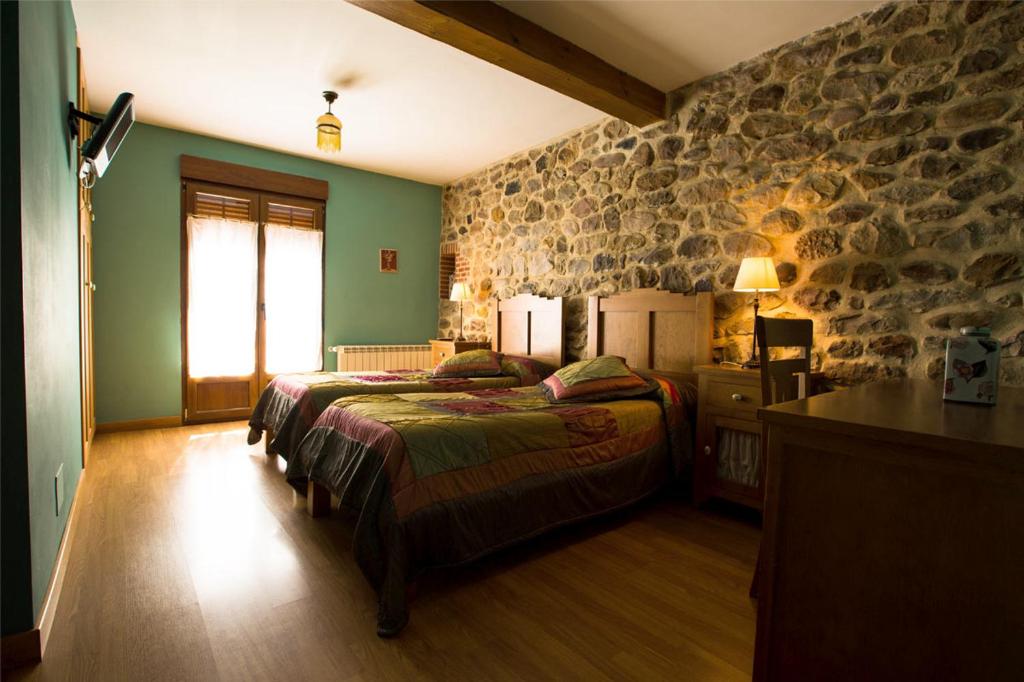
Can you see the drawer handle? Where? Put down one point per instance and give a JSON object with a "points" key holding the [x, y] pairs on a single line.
{"points": [[738, 397]]}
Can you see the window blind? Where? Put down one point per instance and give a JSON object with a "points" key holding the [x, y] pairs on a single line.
{"points": [[219, 206], [291, 216]]}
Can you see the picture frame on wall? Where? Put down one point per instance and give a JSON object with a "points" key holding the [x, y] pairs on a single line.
{"points": [[389, 260]]}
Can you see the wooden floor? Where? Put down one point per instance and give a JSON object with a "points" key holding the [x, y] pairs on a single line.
{"points": [[190, 562]]}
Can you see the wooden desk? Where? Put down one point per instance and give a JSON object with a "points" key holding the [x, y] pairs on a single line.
{"points": [[894, 537]]}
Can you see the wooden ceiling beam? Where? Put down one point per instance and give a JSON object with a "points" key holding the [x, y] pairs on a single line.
{"points": [[498, 36]]}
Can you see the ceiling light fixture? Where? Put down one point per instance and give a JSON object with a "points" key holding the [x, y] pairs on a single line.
{"points": [[328, 127]]}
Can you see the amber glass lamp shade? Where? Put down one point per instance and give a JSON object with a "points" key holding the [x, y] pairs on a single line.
{"points": [[328, 127], [328, 133]]}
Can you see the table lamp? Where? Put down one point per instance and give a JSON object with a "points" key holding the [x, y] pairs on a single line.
{"points": [[756, 275], [460, 293]]}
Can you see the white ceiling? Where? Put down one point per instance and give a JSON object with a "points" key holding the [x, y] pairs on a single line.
{"points": [[252, 72], [670, 43]]}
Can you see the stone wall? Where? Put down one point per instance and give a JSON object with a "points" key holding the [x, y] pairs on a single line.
{"points": [[877, 161]]}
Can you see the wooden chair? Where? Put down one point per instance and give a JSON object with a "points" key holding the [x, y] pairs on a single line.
{"points": [[784, 380], [781, 380]]}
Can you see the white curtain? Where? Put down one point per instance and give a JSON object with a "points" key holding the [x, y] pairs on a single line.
{"points": [[293, 292], [222, 283], [739, 456]]}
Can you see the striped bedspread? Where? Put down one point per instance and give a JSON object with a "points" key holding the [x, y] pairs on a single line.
{"points": [[292, 402], [440, 479]]}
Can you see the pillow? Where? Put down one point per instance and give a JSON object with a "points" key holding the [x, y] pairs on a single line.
{"points": [[601, 367], [529, 371], [470, 363], [602, 378]]}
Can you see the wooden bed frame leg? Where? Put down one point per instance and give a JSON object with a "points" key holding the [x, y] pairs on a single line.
{"points": [[268, 436], [318, 499]]}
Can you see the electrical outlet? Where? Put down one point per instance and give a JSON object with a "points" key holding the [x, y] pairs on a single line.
{"points": [[58, 488]]}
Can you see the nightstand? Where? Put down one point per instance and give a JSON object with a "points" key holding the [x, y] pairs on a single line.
{"points": [[442, 349], [728, 458]]}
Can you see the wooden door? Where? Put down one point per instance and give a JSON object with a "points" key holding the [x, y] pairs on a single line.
{"points": [[291, 211], [204, 397], [86, 285]]}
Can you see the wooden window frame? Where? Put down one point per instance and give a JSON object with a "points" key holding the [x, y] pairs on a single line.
{"points": [[309, 193], [246, 177], [319, 224]]}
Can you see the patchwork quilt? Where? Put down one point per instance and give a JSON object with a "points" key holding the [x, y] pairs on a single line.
{"points": [[440, 479], [292, 402]]}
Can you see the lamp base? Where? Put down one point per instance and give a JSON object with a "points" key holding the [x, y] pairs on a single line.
{"points": [[753, 362]]}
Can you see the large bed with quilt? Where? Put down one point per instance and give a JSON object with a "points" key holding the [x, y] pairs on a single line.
{"points": [[526, 328], [442, 479]]}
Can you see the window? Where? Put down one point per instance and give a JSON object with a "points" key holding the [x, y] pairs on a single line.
{"points": [[252, 293], [293, 281], [223, 255]]}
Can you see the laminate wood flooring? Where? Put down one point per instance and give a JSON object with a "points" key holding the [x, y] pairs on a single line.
{"points": [[191, 562]]}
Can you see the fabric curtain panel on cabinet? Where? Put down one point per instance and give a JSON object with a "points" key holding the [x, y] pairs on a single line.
{"points": [[223, 290], [293, 298]]}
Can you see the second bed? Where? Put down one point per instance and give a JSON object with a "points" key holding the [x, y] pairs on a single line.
{"points": [[442, 479], [526, 328]]}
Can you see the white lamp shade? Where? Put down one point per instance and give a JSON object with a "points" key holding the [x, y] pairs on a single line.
{"points": [[756, 274], [460, 292]]}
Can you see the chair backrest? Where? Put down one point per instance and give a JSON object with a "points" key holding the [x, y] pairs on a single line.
{"points": [[783, 380]]}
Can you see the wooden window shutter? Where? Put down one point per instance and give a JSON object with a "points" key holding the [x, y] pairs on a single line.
{"points": [[291, 215], [218, 206]]}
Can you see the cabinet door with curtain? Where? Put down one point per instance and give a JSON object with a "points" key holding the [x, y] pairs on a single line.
{"points": [[252, 295]]}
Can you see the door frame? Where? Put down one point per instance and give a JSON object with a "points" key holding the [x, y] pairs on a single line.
{"points": [[86, 300], [258, 202], [189, 384], [319, 223]]}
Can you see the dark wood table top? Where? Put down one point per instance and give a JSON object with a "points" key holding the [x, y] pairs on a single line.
{"points": [[912, 411]]}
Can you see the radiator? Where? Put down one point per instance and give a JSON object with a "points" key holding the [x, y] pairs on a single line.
{"points": [[360, 358]]}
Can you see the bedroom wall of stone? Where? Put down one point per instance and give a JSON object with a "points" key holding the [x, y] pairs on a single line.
{"points": [[877, 161]]}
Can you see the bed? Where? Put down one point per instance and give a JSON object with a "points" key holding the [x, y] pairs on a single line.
{"points": [[525, 325], [442, 479]]}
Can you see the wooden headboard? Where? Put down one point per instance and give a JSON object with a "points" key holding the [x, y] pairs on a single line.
{"points": [[529, 325], [653, 329]]}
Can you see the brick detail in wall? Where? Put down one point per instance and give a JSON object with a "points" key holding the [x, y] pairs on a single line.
{"points": [[461, 269], [878, 161], [452, 268], [446, 270]]}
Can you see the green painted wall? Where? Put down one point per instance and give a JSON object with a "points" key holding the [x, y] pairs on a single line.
{"points": [[15, 559], [49, 224], [136, 242]]}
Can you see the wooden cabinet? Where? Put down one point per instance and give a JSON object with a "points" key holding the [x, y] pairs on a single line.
{"points": [[442, 349], [728, 459], [893, 544]]}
